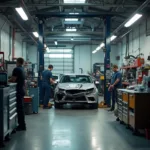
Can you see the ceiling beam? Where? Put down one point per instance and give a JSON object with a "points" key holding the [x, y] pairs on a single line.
{"points": [[80, 15], [74, 5]]}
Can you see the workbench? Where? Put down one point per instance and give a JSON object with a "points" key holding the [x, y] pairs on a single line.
{"points": [[134, 109]]}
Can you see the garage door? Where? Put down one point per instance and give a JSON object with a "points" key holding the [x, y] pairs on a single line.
{"points": [[61, 59]]}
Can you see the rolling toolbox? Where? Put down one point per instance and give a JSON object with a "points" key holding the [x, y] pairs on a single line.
{"points": [[12, 107], [35, 99]]}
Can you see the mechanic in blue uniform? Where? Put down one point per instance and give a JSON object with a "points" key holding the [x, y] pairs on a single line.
{"points": [[46, 85], [116, 83], [18, 77]]}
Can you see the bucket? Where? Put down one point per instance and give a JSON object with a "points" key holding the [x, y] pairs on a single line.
{"points": [[147, 133]]}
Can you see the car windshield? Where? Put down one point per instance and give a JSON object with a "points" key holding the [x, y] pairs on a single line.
{"points": [[76, 79]]}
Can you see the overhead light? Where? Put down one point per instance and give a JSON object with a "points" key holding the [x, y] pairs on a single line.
{"points": [[74, 1], [94, 51], [72, 39], [71, 19], [71, 29], [22, 13], [113, 37], [36, 34], [47, 49], [98, 48], [102, 45], [55, 42], [74, 13], [133, 20]]}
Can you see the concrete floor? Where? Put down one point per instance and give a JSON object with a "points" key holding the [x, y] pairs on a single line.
{"points": [[75, 129]]}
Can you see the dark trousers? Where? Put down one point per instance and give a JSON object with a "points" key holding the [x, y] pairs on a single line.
{"points": [[20, 110], [114, 97], [46, 89]]}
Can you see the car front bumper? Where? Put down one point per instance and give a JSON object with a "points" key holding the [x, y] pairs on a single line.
{"points": [[76, 98]]}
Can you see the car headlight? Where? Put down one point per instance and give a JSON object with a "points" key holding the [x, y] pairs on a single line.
{"points": [[90, 91]]}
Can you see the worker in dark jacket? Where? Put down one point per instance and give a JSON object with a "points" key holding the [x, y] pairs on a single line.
{"points": [[116, 83], [18, 77], [46, 85]]}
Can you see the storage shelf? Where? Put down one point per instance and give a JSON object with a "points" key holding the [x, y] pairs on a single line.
{"points": [[129, 67]]}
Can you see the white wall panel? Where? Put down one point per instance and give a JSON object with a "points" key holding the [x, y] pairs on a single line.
{"points": [[138, 40], [20, 50], [85, 59], [32, 53]]}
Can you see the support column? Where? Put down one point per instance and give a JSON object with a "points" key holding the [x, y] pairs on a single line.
{"points": [[41, 57], [107, 71]]}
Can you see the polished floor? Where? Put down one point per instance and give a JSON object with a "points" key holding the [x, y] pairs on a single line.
{"points": [[75, 129]]}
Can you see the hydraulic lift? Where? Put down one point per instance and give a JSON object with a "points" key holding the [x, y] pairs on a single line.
{"points": [[107, 68]]}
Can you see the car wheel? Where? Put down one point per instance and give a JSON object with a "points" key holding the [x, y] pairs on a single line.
{"points": [[95, 106], [57, 105]]}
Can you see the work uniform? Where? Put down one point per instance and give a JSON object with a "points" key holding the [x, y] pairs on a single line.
{"points": [[46, 86], [116, 75], [18, 72]]}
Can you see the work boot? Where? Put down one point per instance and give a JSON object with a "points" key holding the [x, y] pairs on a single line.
{"points": [[47, 107], [19, 128], [111, 109]]}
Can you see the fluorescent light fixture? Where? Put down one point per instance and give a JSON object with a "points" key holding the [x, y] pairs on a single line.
{"points": [[74, 13], [55, 42], [60, 55], [98, 48], [74, 1], [71, 29], [47, 49], [133, 20], [36, 34], [113, 37], [22, 13], [102, 45], [94, 51], [71, 19]]}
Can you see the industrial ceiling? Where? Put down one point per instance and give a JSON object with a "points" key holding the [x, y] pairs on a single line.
{"points": [[89, 18]]}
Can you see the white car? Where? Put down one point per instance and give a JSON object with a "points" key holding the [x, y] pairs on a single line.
{"points": [[76, 88]]}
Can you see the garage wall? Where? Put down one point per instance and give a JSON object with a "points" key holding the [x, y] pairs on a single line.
{"points": [[83, 57], [20, 48], [32, 55], [139, 42]]}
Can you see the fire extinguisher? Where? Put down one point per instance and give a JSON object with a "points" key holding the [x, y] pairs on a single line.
{"points": [[139, 76]]}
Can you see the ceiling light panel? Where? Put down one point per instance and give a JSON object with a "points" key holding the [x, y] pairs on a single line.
{"points": [[133, 20], [74, 1], [71, 19], [22, 13], [71, 30]]}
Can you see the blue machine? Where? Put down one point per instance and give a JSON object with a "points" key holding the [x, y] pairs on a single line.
{"points": [[35, 100], [107, 45], [41, 57]]}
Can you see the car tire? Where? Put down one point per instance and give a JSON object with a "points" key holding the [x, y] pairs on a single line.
{"points": [[95, 106], [57, 105]]}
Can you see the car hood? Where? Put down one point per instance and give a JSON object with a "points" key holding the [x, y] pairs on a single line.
{"points": [[76, 86]]}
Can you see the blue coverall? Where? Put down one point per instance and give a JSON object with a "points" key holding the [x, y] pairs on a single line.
{"points": [[46, 86], [116, 75]]}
